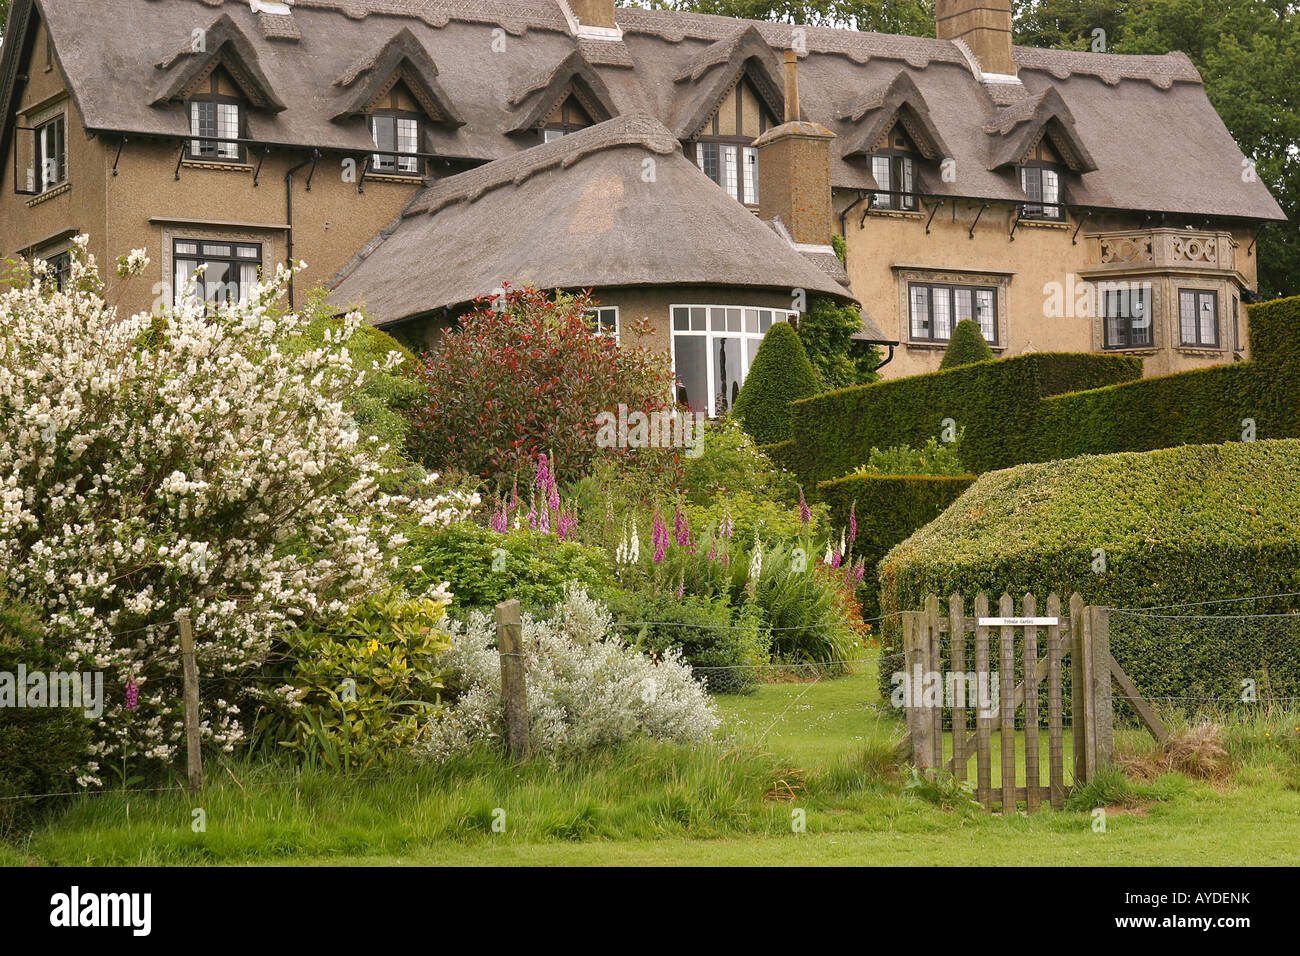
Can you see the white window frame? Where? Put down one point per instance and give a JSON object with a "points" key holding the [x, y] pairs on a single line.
{"points": [[600, 313], [778, 315], [50, 143]]}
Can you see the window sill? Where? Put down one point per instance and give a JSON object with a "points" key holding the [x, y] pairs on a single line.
{"points": [[412, 179], [1045, 223], [1209, 351], [224, 167], [1130, 350], [942, 346], [896, 213], [49, 194]]}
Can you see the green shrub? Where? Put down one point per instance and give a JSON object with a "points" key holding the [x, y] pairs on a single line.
{"points": [[364, 685], [722, 646], [38, 746], [801, 602], [967, 346], [996, 403], [1173, 526], [933, 458], [889, 508], [781, 373], [826, 331], [485, 568], [731, 463], [383, 408]]}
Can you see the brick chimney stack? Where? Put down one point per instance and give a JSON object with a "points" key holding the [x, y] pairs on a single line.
{"points": [[794, 170], [985, 27], [594, 13]]}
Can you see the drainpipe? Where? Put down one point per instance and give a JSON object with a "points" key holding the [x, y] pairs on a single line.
{"points": [[288, 204]]}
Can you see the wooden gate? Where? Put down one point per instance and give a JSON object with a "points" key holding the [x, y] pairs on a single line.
{"points": [[1068, 658]]}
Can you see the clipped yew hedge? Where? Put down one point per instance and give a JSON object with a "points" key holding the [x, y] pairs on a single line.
{"points": [[1178, 525], [889, 509], [996, 403], [781, 374], [967, 346], [1205, 406]]}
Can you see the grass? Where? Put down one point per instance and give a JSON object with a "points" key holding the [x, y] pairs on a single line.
{"points": [[824, 748]]}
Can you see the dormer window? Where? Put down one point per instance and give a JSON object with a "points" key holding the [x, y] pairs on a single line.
{"points": [[724, 150], [894, 168], [217, 121], [733, 166], [568, 117], [398, 133], [1042, 184], [895, 175], [1040, 178]]}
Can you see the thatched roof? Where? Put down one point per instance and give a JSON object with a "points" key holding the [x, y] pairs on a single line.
{"points": [[1155, 142], [615, 205]]}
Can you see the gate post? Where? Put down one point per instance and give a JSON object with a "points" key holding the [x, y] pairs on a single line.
{"points": [[916, 639]]}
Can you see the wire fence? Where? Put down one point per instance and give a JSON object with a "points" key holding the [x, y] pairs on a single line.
{"points": [[1178, 659]]}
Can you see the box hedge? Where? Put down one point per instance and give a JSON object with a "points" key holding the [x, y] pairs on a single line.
{"points": [[889, 509], [995, 403], [1176, 526]]}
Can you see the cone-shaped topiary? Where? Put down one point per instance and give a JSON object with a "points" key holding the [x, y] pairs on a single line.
{"points": [[781, 374], [967, 346]]}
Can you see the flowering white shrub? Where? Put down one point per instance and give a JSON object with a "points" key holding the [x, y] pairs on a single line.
{"points": [[586, 687], [190, 462]]}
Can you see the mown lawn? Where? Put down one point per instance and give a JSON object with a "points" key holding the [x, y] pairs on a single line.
{"points": [[819, 748]]}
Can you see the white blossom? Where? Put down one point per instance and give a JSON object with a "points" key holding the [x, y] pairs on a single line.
{"points": [[190, 462]]}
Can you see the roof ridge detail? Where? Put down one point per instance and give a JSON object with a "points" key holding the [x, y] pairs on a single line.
{"points": [[401, 55], [242, 64], [633, 129], [548, 87]]}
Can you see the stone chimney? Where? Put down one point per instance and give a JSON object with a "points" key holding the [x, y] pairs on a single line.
{"points": [[594, 13], [794, 170], [984, 26]]}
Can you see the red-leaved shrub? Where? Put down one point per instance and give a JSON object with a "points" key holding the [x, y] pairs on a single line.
{"points": [[524, 375]]}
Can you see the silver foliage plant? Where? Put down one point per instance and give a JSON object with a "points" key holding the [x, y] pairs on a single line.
{"points": [[587, 688]]}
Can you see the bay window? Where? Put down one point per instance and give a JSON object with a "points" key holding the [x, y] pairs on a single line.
{"points": [[1126, 316], [1198, 317], [713, 349]]}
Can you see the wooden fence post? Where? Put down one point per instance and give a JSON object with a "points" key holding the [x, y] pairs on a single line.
{"points": [[934, 666], [1103, 711], [193, 754], [514, 691], [1078, 692]]}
